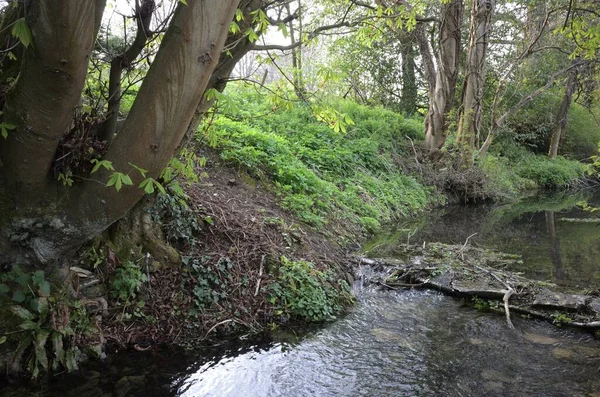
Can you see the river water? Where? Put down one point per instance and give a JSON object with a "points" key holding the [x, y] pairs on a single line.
{"points": [[400, 343]]}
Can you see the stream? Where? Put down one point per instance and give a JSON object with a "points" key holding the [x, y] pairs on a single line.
{"points": [[404, 342]]}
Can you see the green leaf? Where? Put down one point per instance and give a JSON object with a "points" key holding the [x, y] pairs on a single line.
{"points": [[101, 163], [23, 279], [42, 306], [4, 289], [38, 277], [183, 1], [70, 362], [234, 28], [239, 15], [5, 127], [18, 296], [140, 170], [147, 186], [40, 347], [44, 288], [21, 31], [29, 326], [2, 339], [252, 35], [59, 351], [21, 312], [118, 179]]}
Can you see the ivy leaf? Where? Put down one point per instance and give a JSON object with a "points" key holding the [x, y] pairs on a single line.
{"points": [[21, 31], [18, 296], [44, 288]]}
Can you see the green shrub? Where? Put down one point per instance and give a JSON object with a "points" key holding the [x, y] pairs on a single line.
{"points": [[550, 173], [127, 281], [305, 293], [582, 134]]}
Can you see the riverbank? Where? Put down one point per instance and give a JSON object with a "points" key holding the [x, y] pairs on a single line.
{"points": [[259, 242]]}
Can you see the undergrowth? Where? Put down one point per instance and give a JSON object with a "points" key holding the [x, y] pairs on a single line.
{"points": [[322, 175]]}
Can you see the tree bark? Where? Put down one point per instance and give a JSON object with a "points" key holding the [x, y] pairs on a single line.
{"points": [[154, 128], [48, 89], [441, 82], [470, 120], [408, 100], [563, 115]]}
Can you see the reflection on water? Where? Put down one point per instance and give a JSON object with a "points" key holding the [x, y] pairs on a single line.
{"points": [[559, 242], [396, 343]]}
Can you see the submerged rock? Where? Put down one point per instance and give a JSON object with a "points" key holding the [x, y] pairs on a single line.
{"points": [[541, 339], [556, 300]]}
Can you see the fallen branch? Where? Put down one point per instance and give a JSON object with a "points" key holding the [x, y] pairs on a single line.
{"points": [[507, 296], [260, 273], [215, 326], [461, 251]]}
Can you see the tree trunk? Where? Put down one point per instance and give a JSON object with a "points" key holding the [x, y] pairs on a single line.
{"points": [[469, 125], [408, 101], [143, 15], [563, 115], [296, 51], [42, 222], [441, 82]]}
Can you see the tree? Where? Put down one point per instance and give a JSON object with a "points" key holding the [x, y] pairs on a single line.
{"points": [[41, 221], [470, 120], [563, 114], [441, 81]]}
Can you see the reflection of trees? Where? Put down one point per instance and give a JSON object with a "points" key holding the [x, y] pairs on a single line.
{"points": [[559, 271]]}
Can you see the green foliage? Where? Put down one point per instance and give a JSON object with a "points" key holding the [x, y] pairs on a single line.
{"points": [[484, 305], [323, 174], [559, 319], [582, 134], [178, 221], [127, 281], [302, 292], [550, 173], [211, 280], [21, 31], [5, 127], [48, 323]]}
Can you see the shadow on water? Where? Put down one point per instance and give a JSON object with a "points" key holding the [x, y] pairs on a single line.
{"points": [[558, 241], [397, 343]]}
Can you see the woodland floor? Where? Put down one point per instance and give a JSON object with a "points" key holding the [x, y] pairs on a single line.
{"points": [[243, 225]]}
